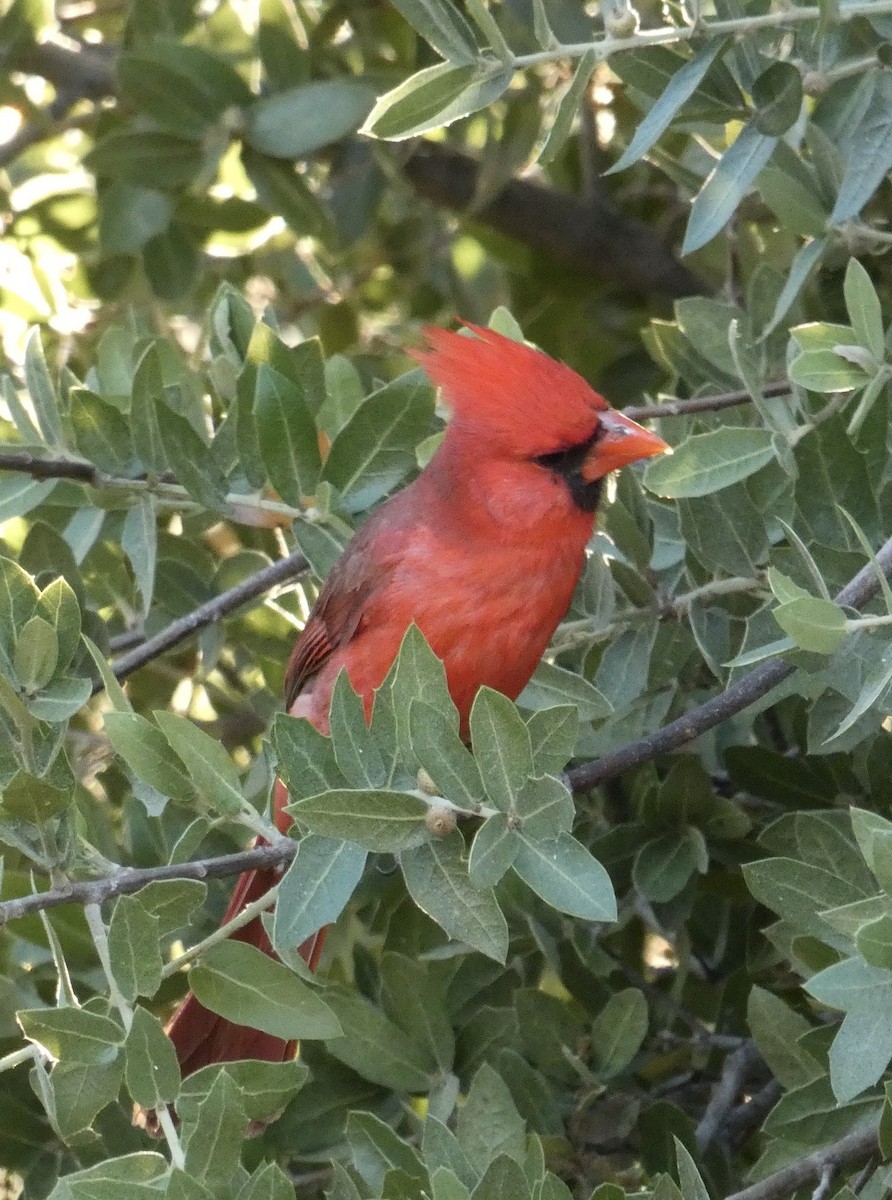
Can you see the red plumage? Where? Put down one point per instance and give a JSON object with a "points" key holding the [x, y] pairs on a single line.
{"points": [[482, 551]]}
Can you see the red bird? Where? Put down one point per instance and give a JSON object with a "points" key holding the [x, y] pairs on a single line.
{"points": [[482, 551]]}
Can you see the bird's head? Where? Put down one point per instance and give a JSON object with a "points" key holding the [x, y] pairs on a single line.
{"points": [[518, 403]]}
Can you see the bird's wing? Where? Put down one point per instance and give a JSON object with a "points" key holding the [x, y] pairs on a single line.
{"points": [[335, 617]]}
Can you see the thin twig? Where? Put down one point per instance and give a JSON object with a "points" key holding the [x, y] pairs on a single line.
{"points": [[734, 1072], [211, 611], [740, 695], [130, 879], [853, 1148], [711, 403], [752, 1113]]}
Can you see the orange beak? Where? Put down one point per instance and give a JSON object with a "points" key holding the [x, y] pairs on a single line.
{"points": [[621, 442]]}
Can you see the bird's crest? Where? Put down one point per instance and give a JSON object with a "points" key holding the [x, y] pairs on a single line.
{"points": [[508, 393]]}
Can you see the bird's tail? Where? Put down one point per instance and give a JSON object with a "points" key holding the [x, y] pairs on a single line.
{"points": [[202, 1037]]}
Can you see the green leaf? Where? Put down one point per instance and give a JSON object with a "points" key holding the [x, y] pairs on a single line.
{"points": [[777, 1030], [434, 97], [377, 1048], [301, 120], [442, 25], [182, 87], [692, 1185], [145, 158], [553, 734], [264, 1087], [862, 1048], [355, 749], [488, 1122], [146, 751], [545, 808], [213, 1142], [36, 654], [268, 1182], [133, 944], [286, 435], [151, 1071], [375, 450], [438, 882], [813, 624], [189, 455], [42, 391], [60, 700], [726, 186], [414, 1000], [568, 106], [110, 1179], [706, 462], [130, 216], [863, 307], [377, 1149], [139, 541], [567, 877], [246, 986], [72, 1034], [148, 385], [619, 1030], [439, 749], [503, 1177], [798, 892], [868, 147], [664, 865], [803, 264], [493, 851], [682, 85], [502, 748], [315, 889], [379, 820], [207, 762], [306, 758], [552, 685], [777, 96]]}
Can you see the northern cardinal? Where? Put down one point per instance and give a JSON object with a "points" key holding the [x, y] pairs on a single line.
{"points": [[482, 551]]}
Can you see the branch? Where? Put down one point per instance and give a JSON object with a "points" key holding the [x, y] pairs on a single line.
{"points": [[130, 879], [206, 614], [585, 233], [740, 695], [853, 1148], [735, 1070], [720, 400]]}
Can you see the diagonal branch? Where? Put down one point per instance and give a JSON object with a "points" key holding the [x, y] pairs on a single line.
{"points": [[127, 880], [740, 695], [209, 613], [854, 1148]]}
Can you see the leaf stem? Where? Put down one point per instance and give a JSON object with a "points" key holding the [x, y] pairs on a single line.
{"points": [[242, 918]]}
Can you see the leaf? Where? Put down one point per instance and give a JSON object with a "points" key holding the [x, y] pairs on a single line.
{"points": [[305, 756], [442, 25], [147, 751], [567, 877], [438, 882], [545, 808], [315, 889], [213, 1141], [777, 1030], [145, 157], [299, 121], [376, 448], [553, 734], [798, 891], [664, 865], [777, 96], [377, 1149], [108, 1180], [707, 462], [151, 1071], [414, 1000], [286, 436], [36, 654], [377, 1048], [247, 987], [42, 391], [434, 97], [552, 685], [488, 1122], [863, 307], [567, 108], [813, 623], [209, 766], [139, 541], [803, 264], [72, 1034], [692, 1185], [862, 1048], [868, 147], [379, 820], [619, 1030], [682, 85], [263, 1087], [493, 851], [133, 944], [726, 186], [502, 748], [439, 749]]}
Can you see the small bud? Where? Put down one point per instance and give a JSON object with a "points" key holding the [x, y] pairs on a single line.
{"points": [[815, 83], [440, 821], [426, 784], [621, 22]]}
